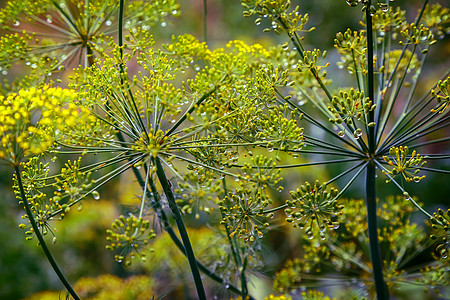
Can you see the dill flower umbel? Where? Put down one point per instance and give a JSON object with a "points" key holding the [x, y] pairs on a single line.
{"points": [[33, 118]]}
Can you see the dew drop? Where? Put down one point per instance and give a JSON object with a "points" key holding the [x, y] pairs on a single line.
{"points": [[49, 21], [96, 195], [16, 23], [163, 24], [227, 286], [108, 23], [357, 134], [174, 12], [4, 72], [341, 133]]}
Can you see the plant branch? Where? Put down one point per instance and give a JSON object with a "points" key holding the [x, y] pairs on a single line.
{"points": [[181, 228], [41, 238]]}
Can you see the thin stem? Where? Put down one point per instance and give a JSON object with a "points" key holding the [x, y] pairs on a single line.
{"points": [[205, 22], [120, 27], [350, 182], [41, 238], [181, 228], [370, 79]]}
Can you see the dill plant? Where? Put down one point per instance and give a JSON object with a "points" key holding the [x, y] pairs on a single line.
{"points": [[204, 132]]}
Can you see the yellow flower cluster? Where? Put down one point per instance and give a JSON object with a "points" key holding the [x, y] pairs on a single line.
{"points": [[407, 166], [31, 119]]}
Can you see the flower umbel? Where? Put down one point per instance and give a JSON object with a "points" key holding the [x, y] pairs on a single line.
{"points": [[313, 205], [442, 96], [407, 167], [32, 119], [441, 223], [129, 234]]}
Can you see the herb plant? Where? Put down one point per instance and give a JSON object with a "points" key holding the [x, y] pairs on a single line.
{"points": [[210, 133]]}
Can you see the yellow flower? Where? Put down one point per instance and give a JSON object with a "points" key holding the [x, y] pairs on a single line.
{"points": [[33, 117]]}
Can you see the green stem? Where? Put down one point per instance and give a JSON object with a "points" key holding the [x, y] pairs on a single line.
{"points": [[181, 228], [371, 202], [375, 253], [41, 238]]}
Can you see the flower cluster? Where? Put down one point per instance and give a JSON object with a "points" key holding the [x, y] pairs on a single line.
{"points": [[350, 106], [199, 191], [243, 213], [436, 18], [418, 35], [442, 96], [31, 120], [72, 185], [408, 167], [441, 223], [279, 15], [43, 208], [391, 21], [352, 47], [129, 234], [262, 172], [313, 207], [281, 130]]}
